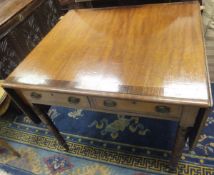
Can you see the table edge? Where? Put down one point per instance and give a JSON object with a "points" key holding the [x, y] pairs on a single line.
{"points": [[69, 88], [140, 5]]}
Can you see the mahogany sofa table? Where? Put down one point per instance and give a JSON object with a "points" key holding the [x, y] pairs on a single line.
{"points": [[142, 60]]}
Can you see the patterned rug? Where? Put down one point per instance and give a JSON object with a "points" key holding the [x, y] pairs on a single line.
{"points": [[101, 144]]}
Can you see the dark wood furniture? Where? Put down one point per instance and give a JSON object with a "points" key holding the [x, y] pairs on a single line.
{"points": [[71, 4], [23, 23], [142, 60]]}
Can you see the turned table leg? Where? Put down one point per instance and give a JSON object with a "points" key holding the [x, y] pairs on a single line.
{"points": [[47, 121], [25, 108], [178, 146]]}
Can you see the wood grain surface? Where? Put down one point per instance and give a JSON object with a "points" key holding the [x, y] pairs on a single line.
{"points": [[154, 47], [10, 7]]}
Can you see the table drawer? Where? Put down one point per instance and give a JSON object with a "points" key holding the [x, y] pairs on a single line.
{"points": [[67, 100], [137, 107]]}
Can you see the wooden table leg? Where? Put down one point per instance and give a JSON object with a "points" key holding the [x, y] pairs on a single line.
{"points": [[47, 121], [26, 109], [187, 121], [10, 148], [36, 115], [178, 147]]}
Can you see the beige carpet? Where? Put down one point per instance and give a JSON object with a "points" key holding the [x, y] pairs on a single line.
{"points": [[208, 20]]}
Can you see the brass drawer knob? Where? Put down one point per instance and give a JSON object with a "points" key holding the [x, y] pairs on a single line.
{"points": [[109, 103], [36, 95], [162, 109], [73, 100]]}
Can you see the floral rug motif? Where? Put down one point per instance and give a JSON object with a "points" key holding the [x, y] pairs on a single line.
{"points": [[101, 144]]}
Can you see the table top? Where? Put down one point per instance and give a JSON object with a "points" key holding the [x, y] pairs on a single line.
{"points": [[150, 52], [11, 7]]}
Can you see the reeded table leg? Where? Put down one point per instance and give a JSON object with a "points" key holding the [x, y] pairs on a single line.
{"points": [[47, 121], [36, 115], [178, 147], [26, 109], [187, 121]]}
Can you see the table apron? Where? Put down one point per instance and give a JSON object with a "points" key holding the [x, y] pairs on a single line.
{"points": [[111, 105]]}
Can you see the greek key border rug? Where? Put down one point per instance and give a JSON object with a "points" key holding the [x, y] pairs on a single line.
{"points": [[101, 144]]}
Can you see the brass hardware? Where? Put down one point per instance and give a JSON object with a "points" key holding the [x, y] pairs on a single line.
{"points": [[162, 109], [35, 95], [109, 103], [73, 100]]}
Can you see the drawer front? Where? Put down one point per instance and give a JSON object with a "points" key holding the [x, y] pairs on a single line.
{"points": [[67, 100], [137, 107]]}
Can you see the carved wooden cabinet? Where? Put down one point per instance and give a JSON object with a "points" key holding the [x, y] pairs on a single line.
{"points": [[70, 4], [23, 23]]}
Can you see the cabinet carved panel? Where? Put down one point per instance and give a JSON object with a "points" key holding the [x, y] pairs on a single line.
{"points": [[29, 31], [9, 57], [50, 13]]}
